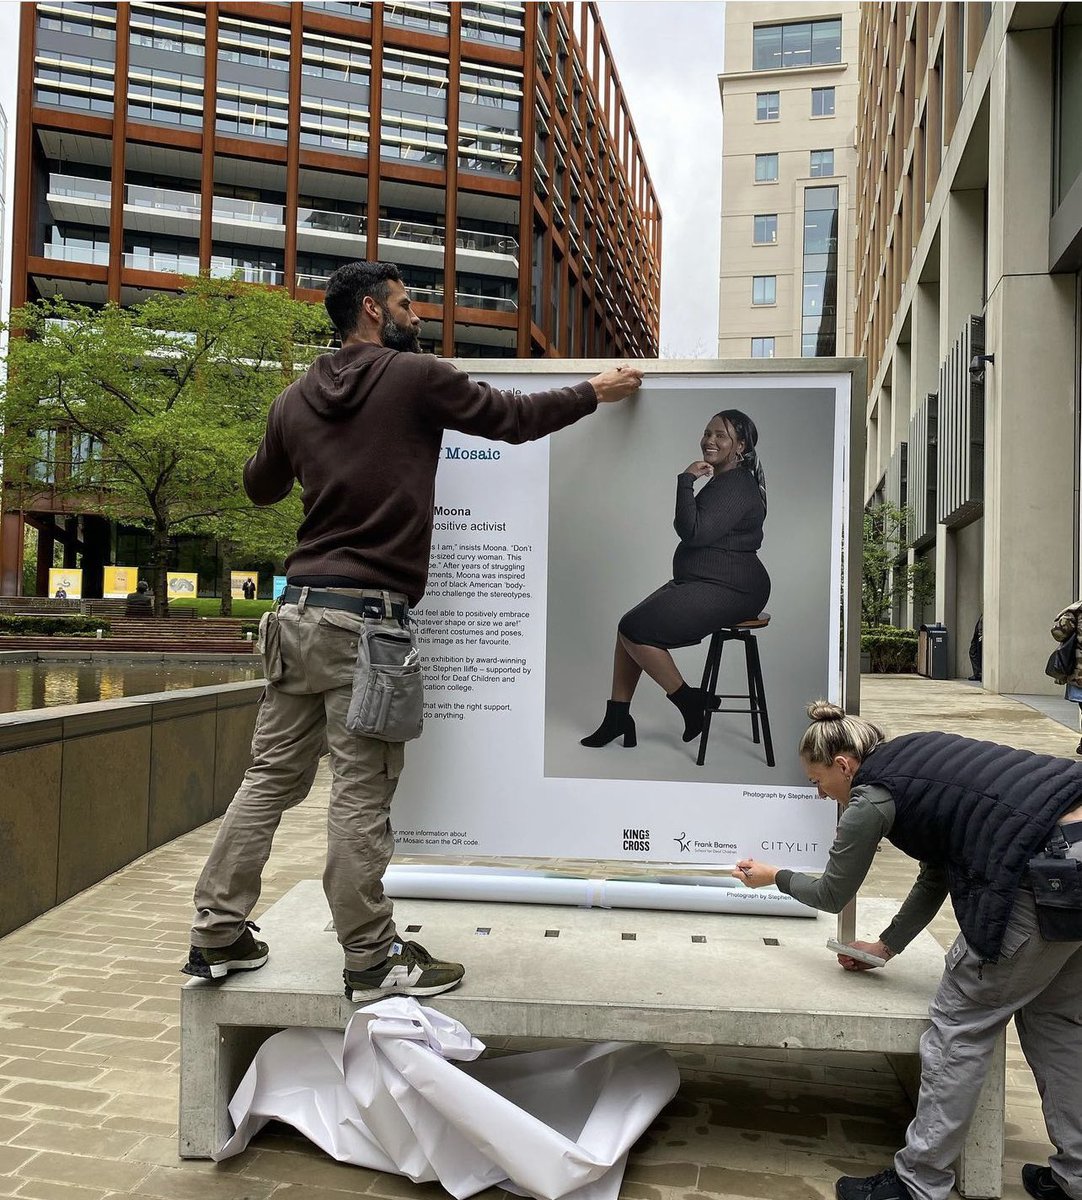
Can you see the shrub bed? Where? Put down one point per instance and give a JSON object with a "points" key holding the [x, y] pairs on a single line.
{"points": [[44, 626], [892, 651]]}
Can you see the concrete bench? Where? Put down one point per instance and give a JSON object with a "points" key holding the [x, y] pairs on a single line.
{"points": [[578, 974]]}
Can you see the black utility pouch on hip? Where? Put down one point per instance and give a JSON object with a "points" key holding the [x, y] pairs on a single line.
{"points": [[1057, 888]]}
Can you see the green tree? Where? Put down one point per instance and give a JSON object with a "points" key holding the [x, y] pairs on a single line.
{"points": [[256, 534], [161, 403], [887, 576]]}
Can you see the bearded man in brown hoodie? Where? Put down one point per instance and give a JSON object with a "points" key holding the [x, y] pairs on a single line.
{"points": [[361, 432]]}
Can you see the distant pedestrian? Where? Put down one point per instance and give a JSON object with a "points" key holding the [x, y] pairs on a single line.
{"points": [[248, 588], [60, 594], [1063, 627], [139, 603], [976, 651]]}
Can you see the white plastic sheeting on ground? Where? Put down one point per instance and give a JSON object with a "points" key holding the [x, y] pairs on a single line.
{"points": [[389, 1096]]}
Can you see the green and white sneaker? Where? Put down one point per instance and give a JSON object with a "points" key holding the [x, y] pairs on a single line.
{"points": [[245, 954], [409, 970]]}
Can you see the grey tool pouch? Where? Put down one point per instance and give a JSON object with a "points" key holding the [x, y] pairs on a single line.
{"points": [[388, 685]]}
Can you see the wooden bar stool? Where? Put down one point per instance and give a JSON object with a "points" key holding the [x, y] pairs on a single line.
{"points": [[756, 693]]}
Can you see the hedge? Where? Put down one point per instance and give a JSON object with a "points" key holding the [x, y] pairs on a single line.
{"points": [[44, 626], [892, 651]]}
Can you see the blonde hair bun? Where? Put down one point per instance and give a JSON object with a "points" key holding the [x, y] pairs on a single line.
{"points": [[833, 731]]}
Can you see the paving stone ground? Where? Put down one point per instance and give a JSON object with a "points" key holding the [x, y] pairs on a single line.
{"points": [[89, 1033]]}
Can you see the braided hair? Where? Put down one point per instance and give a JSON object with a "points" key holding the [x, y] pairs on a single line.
{"points": [[744, 429]]}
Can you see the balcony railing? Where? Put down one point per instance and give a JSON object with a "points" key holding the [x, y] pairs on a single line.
{"points": [[316, 282], [434, 295], [80, 254], [495, 303], [436, 235], [320, 220], [491, 243], [165, 199], [153, 260], [79, 188], [226, 268], [257, 212]]}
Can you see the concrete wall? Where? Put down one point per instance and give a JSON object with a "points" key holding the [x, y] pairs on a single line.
{"points": [[86, 789], [1015, 563]]}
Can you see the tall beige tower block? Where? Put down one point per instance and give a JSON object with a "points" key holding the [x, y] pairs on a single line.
{"points": [[789, 105]]}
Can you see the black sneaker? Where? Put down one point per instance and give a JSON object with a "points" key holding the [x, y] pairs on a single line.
{"points": [[245, 954], [409, 970], [884, 1186], [1041, 1184]]}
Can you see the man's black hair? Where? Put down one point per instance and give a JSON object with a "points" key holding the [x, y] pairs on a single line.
{"points": [[348, 286]]}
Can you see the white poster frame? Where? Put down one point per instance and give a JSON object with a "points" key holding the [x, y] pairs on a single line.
{"points": [[847, 373]]}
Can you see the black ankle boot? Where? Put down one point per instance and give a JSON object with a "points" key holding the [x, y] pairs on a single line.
{"points": [[618, 720], [692, 705]]}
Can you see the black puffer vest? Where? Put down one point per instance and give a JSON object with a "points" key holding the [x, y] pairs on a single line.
{"points": [[978, 809]]}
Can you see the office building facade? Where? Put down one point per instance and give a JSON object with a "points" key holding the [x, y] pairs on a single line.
{"points": [[485, 147], [788, 96], [969, 247]]}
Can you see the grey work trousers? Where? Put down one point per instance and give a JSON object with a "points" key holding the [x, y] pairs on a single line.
{"points": [[1037, 982], [309, 655]]}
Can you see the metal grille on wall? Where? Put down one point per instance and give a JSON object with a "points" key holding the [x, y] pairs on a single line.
{"points": [[896, 483], [960, 463], [922, 472]]}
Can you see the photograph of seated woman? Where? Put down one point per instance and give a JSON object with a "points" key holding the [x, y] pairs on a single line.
{"points": [[717, 580]]}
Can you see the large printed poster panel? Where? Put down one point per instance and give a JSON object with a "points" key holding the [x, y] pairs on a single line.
{"points": [[66, 583], [119, 582], [538, 551]]}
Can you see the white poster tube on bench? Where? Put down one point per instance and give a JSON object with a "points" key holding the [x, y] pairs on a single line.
{"points": [[516, 886]]}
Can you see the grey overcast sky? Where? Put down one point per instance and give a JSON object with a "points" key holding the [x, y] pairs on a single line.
{"points": [[668, 54]]}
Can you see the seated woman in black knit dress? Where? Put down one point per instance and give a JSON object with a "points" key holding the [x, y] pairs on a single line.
{"points": [[717, 578]]}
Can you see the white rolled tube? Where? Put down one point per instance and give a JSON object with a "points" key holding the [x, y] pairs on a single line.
{"points": [[517, 886]]}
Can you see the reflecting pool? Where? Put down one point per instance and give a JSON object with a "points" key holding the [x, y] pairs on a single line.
{"points": [[48, 684]]}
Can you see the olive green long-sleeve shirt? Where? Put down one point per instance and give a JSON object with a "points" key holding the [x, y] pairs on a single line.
{"points": [[866, 820]]}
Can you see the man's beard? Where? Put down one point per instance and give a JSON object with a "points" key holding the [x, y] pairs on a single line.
{"points": [[394, 337]]}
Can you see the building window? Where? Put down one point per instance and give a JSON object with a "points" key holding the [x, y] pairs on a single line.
{"points": [[819, 308], [766, 168], [822, 163], [762, 347], [767, 106], [822, 102], [766, 229], [253, 45], [252, 111], [429, 18], [801, 44], [498, 23], [764, 289]]}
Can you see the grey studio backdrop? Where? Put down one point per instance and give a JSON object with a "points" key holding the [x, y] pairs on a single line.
{"points": [[611, 541]]}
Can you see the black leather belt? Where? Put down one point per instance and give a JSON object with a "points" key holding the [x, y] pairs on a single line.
{"points": [[370, 606]]}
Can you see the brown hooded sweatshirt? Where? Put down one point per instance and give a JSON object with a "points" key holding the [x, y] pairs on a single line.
{"points": [[361, 430]]}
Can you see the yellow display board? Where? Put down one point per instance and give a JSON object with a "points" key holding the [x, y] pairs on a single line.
{"points": [[119, 582], [181, 585], [66, 583], [237, 580]]}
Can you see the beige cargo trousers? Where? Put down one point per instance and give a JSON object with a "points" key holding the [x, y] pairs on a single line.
{"points": [[309, 655]]}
